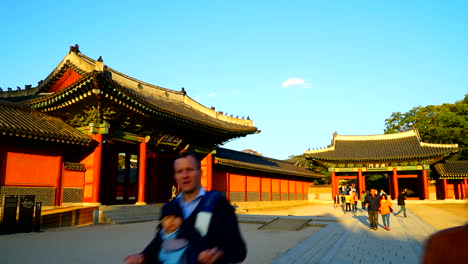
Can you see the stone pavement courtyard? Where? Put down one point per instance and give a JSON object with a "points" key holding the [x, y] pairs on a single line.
{"points": [[330, 236]]}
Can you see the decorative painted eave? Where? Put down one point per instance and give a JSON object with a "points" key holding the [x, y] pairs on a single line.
{"points": [[452, 169], [20, 122], [242, 160], [74, 166], [135, 102], [134, 93], [388, 147]]}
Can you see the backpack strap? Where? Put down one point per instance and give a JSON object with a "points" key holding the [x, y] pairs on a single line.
{"points": [[202, 222]]}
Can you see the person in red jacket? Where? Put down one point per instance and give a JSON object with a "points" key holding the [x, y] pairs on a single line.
{"points": [[385, 210]]}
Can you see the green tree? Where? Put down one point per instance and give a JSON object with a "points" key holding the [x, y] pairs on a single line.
{"points": [[302, 161], [443, 124]]}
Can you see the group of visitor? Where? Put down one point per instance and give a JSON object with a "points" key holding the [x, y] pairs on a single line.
{"points": [[380, 203], [375, 201], [347, 195]]}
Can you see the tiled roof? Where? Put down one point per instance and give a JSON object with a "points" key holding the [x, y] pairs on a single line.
{"points": [[398, 146], [452, 169], [168, 103], [242, 160], [20, 122]]}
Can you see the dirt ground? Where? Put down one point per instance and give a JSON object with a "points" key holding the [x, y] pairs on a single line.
{"points": [[436, 214]]}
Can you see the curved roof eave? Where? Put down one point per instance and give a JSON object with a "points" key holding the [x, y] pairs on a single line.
{"points": [[84, 64], [263, 168], [380, 159]]}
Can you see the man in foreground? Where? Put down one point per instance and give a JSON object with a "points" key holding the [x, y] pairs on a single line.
{"points": [[208, 213], [373, 203]]}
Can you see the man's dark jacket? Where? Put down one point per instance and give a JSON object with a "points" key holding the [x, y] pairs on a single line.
{"points": [[401, 199], [223, 233], [373, 202]]}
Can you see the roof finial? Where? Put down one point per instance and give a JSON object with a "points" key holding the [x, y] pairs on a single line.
{"points": [[100, 59], [183, 91], [75, 48]]}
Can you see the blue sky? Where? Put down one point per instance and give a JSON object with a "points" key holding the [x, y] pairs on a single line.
{"points": [[301, 70]]}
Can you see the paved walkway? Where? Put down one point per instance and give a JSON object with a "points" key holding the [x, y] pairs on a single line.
{"points": [[352, 241]]}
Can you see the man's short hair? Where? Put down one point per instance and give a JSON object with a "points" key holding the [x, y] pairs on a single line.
{"points": [[186, 154]]}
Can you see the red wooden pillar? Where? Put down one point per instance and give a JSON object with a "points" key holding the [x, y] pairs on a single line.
{"points": [[304, 195], [334, 184], [209, 172], [295, 190], [394, 191], [462, 190], [97, 169], [271, 189], [465, 188], [228, 185], [360, 180], [363, 180], [142, 174], [444, 182], [260, 189], [280, 194], [59, 182], [245, 189], [424, 185]]}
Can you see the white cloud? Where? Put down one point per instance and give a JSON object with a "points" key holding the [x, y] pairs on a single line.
{"points": [[295, 82], [197, 98], [212, 95]]}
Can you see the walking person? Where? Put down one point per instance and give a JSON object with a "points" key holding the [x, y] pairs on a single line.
{"points": [[354, 200], [362, 198], [343, 200], [207, 212], [372, 202], [336, 200], [382, 192], [173, 242], [385, 210], [401, 203], [348, 202]]}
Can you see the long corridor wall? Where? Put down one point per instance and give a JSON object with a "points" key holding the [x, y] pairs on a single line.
{"points": [[252, 188]]}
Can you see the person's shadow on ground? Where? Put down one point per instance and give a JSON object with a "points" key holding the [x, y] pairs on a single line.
{"points": [[364, 219]]}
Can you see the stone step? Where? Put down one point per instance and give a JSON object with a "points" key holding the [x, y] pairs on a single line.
{"points": [[123, 214]]}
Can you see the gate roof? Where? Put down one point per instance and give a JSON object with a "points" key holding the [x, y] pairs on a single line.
{"points": [[388, 147]]}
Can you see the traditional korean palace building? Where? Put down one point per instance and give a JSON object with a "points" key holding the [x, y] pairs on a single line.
{"points": [[403, 157], [451, 179], [88, 134]]}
